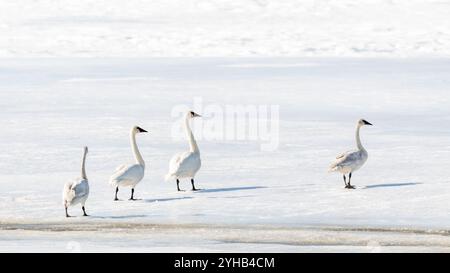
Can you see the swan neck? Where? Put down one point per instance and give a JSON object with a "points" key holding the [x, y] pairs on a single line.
{"points": [[192, 142], [137, 154], [358, 139], [83, 166]]}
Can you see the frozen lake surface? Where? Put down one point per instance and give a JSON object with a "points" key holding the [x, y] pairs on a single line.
{"points": [[231, 28], [252, 200]]}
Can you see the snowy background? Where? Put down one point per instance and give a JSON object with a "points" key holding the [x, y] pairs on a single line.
{"points": [[162, 28], [54, 101]]}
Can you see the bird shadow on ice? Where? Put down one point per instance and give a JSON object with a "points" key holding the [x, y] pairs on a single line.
{"points": [[231, 189], [166, 199], [120, 217], [389, 185], [236, 197]]}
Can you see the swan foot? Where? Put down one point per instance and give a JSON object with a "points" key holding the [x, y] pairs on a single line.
{"points": [[116, 199], [350, 187]]}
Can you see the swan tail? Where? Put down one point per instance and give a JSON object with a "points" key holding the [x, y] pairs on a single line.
{"points": [[333, 168], [68, 194], [113, 182], [168, 177]]}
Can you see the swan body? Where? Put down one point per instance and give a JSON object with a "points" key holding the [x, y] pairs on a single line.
{"points": [[129, 175], [351, 161], [77, 191], [186, 164]]}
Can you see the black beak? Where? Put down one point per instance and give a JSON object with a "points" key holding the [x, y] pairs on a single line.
{"points": [[193, 114], [141, 130], [367, 123]]}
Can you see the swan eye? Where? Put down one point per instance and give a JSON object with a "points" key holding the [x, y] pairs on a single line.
{"points": [[192, 114]]}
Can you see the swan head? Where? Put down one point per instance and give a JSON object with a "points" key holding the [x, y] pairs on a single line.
{"points": [[137, 130], [192, 114], [363, 122]]}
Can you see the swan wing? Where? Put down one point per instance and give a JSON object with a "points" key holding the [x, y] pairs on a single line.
{"points": [[185, 165], [74, 190], [121, 167], [81, 188], [176, 161], [128, 173], [343, 160], [119, 171], [343, 155], [178, 164], [350, 160]]}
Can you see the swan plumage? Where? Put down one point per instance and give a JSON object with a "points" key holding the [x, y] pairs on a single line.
{"points": [[186, 164], [129, 175], [351, 161], [77, 191]]}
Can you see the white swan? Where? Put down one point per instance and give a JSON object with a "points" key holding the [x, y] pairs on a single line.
{"points": [[351, 161], [129, 175], [188, 163], [77, 191]]}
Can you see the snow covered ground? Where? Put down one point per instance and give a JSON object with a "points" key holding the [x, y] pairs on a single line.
{"points": [[252, 200], [162, 28]]}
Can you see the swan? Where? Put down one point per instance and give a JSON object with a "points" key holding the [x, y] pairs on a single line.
{"points": [[351, 161], [186, 164], [77, 191], [129, 175]]}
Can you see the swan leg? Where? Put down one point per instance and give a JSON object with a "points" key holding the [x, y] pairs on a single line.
{"points": [[349, 186], [178, 185], [117, 190], [132, 195], [67, 215], [193, 186], [84, 211], [345, 181]]}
